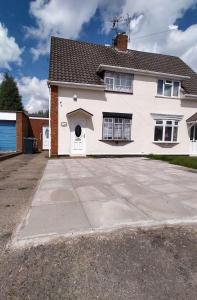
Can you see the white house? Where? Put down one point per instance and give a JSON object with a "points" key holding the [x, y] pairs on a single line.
{"points": [[108, 100]]}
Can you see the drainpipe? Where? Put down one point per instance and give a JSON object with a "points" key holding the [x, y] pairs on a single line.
{"points": [[49, 120]]}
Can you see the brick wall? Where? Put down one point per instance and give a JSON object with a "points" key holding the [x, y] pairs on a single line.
{"points": [[35, 130], [54, 120], [121, 42], [22, 130]]}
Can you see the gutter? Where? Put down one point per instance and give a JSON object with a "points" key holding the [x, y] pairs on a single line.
{"points": [[140, 72], [49, 120], [77, 85]]}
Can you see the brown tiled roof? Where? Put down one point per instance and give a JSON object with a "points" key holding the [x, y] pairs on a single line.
{"points": [[193, 118], [75, 61]]}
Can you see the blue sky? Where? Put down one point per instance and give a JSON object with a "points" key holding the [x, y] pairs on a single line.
{"points": [[26, 27], [15, 16]]}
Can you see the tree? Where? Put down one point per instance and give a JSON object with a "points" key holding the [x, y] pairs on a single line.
{"points": [[41, 114], [10, 98]]}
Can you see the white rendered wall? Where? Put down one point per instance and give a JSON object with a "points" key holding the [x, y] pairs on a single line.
{"points": [[141, 104]]}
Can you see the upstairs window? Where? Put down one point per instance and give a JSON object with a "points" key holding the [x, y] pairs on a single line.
{"points": [[168, 88], [166, 131], [118, 82]]}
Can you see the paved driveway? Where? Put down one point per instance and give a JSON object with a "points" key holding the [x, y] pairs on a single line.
{"points": [[78, 195]]}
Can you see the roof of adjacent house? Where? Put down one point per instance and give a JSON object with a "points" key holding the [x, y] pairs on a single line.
{"points": [[193, 118], [75, 61]]}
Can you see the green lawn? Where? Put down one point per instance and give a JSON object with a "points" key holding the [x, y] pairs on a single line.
{"points": [[186, 161]]}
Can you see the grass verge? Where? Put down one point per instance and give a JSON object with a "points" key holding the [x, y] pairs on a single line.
{"points": [[185, 161]]}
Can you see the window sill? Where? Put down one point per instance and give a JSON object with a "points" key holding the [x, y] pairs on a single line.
{"points": [[119, 92], [116, 141], [167, 97], [164, 142]]}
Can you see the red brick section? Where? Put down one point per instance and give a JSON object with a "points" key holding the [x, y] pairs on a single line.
{"points": [[36, 130], [22, 130], [54, 120], [121, 42]]}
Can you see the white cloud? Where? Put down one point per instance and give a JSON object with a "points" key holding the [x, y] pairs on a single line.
{"points": [[173, 27], [59, 18], [190, 57], [34, 92], [9, 49], [160, 17], [153, 16], [1, 77], [65, 18]]}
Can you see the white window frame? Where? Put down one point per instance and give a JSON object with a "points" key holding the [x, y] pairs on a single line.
{"points": [[106, 86], [174, 124], [169, 82], [194, 132], [108, 120], [125, 121], [119, 88]]}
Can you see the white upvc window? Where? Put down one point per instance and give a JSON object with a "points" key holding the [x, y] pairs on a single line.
{"points": [[118, 82], [116, 129], [193, 133], [166, 131], [168, 88]]}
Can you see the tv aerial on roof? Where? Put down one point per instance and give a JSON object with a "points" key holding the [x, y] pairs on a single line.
{"points": [[116, 21]]}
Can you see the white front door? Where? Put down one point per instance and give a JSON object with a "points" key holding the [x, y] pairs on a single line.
{"points": [[78, 138], [45, 137], [193, 140]]}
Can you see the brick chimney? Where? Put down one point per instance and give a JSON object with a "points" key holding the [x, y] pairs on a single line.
{"points": [[121, 41]]}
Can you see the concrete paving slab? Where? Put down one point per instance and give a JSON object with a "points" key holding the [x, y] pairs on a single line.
{"points": [[54, 219], [54, 175], [130, 189], [103, 214], [87, 193], [183, 196], [163, 208], [58, 183], [193, 186], [122, 190], [192, 203], [168, 188], [77, 195], [54, 196], [112, 179]]}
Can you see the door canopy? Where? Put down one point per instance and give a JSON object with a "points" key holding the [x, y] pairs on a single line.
{"points": [[79, 111], [193, 119]]}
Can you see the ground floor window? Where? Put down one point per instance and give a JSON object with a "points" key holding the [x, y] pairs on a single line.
{"points": [[166, 131], [193, 133], [116, 128]]}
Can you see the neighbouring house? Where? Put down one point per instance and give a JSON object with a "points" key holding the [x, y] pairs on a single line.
{"points": [[15, 126], [109, 100], [39, 128]]}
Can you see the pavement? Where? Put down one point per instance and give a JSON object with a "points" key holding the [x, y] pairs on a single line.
{"points": [[76, 196]]}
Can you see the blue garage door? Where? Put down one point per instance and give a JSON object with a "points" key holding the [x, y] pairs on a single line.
{"points": [[7, 136]]}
